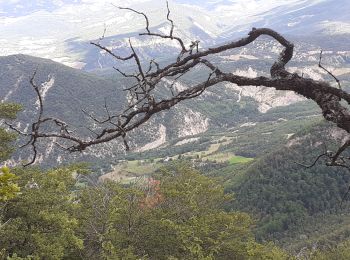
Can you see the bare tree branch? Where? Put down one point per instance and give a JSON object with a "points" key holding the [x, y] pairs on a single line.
{"points": [[149, 33], [97, 44], [314, 163], [143, 14], [143, 102], [330, 73], [171, 21], [137, 60]]}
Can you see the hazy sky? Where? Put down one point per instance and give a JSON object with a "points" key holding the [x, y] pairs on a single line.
{"points": [[43, 27], [17, 8]]}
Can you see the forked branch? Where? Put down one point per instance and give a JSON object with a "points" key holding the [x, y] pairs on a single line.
{"points": [[143, 102]]}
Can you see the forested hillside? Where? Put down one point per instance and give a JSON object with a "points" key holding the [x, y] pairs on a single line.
{"points": [[288, 198]]}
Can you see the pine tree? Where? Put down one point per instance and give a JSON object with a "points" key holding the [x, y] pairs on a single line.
{"points": [[8, 187]]}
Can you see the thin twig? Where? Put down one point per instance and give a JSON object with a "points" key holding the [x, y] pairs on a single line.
{"points": [[330, 73], [314, 163]]}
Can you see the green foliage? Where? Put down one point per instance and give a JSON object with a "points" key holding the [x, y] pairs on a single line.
{"points": [[5, 144], [9, 110], [8, 185], [286, 197], [39, 221], [178, 217]]}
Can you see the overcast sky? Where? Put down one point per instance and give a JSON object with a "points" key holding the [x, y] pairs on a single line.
{"points": [[17, 8], [43, 27]]}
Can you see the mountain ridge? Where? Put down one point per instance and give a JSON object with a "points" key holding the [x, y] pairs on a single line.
{"points": [[59, 30]]}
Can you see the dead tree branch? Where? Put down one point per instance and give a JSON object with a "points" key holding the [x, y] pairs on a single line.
{"points": [[143, 102], [330, 73]]}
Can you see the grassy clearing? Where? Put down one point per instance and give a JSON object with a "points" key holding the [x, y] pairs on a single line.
{"points": [[219, 157], [214, 146], [227, 157], [140, 167], [128, 171], [240, 159]]}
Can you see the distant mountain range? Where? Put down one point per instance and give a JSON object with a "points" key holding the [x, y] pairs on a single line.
{"points": [[67, 91], [61, 30]]}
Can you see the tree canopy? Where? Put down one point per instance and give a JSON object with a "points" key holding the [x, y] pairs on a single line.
{"points": [[176, 215], [8, 187]]}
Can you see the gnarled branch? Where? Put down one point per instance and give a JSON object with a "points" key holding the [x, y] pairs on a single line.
{"points": [[143, 103]]}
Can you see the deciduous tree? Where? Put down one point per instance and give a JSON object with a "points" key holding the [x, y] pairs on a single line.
{"points": [[39, 221], [188, 222]]}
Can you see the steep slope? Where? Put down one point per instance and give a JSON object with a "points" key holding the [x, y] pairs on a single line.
{"points": [[289, 199], [67, 91], [222, 107]]}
